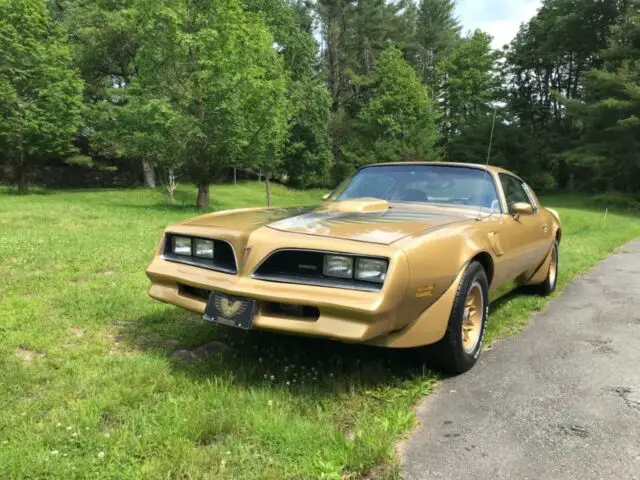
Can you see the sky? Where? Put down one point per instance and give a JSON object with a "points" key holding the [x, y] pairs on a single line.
{"points": [[499, 18]]}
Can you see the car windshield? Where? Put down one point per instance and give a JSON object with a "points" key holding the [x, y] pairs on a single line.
{"points": [[437, 184]]}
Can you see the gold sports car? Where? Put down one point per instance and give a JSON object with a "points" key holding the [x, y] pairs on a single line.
{"points": [[400, 255]]}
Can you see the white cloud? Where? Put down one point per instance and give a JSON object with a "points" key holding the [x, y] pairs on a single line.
{"points": [[499, 18]]}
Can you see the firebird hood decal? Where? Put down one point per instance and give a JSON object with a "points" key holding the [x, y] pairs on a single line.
{"points": [[377, 227], [383, 227], [246, 218]]}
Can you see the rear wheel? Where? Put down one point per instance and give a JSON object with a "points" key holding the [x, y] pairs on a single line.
{"points": [[461, 345], [549, 285]]}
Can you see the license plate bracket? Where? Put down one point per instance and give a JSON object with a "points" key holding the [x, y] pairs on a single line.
{"points": [[230, 310]]}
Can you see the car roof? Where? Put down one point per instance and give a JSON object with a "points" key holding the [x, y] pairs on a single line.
{"points": [[489, 168]]}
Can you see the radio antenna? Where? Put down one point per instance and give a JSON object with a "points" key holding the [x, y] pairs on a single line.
{"points": [[493, 127]]}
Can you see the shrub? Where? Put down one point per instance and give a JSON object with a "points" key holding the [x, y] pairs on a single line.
{"points": [[617, 201], [543, 182]]}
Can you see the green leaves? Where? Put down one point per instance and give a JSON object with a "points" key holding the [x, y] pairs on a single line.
{"points": [[40, 90], [468, 83], [398, 122], [609, 116]]}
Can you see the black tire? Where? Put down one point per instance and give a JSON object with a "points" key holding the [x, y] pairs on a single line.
{"points": [[450, 353], [551, 281]]}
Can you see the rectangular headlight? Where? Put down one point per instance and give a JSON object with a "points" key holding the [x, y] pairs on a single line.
{"points": [[181, 245], [371, 270], [338, 266], [204, 248]]}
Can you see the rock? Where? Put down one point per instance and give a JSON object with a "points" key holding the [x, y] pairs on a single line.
{"points": [[27, 355], [208, 350], [77, 332]]}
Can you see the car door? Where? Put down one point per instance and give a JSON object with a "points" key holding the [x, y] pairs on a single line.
{"points": [[523, 237]]}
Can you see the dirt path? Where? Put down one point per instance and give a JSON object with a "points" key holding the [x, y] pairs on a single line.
{"points": [[561, 400]]}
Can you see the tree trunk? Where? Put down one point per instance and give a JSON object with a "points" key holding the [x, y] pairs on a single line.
{"points": [[21, 174], [203, 195], [235, 175], [171, 186], [149, 174], [268, 186], [571, 185], [21, 180]]}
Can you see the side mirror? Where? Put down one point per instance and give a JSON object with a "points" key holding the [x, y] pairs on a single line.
{"points": [[521, 208], [326, 196]]}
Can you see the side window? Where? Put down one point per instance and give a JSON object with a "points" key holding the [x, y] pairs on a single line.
{"points": [[514, 190]]}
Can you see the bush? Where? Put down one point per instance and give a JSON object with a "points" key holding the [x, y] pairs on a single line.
{"points": [[617, 201], [543, 182]]}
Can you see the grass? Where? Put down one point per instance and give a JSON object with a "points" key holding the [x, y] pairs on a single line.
{"points": [[89, 387]]}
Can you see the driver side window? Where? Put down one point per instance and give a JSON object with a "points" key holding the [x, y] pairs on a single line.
{"points": [[514, 190]]}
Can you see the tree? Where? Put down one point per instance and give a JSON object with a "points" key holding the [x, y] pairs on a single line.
{"points": [[355, 33], [469, 84], [399, 122], [546, 64], [608, 118], [105, 37], [215, 64], [40, 90], [147, 129], [307, 157], [437, 34]]}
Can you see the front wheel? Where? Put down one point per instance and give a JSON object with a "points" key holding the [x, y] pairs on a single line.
{"points": [[461, 345]]}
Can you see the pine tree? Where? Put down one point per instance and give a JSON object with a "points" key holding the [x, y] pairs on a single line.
{"points": [[307, 157], [437, 33], [399, 121], [355, 33], [469, 84], [608, 156]]}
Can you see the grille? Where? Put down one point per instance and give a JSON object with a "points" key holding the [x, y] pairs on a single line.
{"points": [[302, 312], [223, 260], [189, 291], [305, 267]]}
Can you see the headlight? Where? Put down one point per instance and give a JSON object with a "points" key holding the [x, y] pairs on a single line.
{"points": [[203, 248], [181, 246], [338, 266], [371, 270]]}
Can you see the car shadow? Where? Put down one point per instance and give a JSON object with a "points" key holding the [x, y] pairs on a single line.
{"points": [[314, 366], [498, 304]]}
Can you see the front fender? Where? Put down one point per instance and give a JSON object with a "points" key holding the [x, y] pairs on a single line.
{"points": [[429, 327]]}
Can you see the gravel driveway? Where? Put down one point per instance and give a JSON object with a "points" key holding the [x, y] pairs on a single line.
{"points": [[561, 400]]}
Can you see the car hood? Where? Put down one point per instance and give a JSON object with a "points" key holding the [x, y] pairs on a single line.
{"points": [[372, 222]]}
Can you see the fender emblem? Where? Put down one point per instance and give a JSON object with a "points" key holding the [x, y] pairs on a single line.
{"points": [[425, 290]]}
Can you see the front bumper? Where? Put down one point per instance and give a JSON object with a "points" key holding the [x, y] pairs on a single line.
{"points": [[378, 318], [346, 315]]}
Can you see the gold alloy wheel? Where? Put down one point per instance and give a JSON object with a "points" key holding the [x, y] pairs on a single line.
{"points": [[553, 267], [472, 320]]}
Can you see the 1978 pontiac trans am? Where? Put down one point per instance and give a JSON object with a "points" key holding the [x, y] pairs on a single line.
{"points": [[400, 255]]}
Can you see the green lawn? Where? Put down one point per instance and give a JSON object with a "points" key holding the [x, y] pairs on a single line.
{"points": [[89, 388]]}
